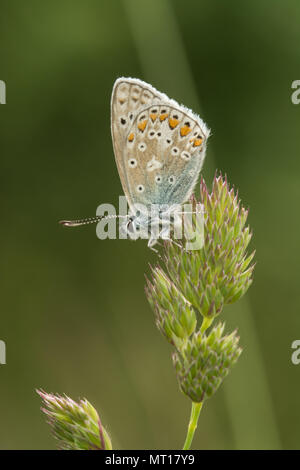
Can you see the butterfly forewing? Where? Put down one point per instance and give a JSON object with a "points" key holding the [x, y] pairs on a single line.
{"points": [[163, 154], [129, 97]]}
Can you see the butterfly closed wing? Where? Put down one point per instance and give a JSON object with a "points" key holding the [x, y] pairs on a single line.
{"points": [[159, 148]]}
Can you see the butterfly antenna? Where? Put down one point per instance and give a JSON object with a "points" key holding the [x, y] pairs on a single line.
{"points": [[89, 220], [78, 222]]}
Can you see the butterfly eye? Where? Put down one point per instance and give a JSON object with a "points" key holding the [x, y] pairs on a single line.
{"points": [[140, 188], [129, 226], [132, 163], [158, 179], [171, 179]]}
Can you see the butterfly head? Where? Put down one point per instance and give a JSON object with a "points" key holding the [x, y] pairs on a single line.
{"points": [[152, 223]]}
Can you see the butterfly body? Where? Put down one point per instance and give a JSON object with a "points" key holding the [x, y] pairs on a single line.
{"points": [[153, 223]]}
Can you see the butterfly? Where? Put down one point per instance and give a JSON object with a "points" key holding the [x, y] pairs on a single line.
{"points": [[159, 149]]}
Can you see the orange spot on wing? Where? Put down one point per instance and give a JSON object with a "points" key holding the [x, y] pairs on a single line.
{"points": [[173, 123], [197, 142], [131, 137], [153, 116], [142, 125], [185, 130], [164, 116]]}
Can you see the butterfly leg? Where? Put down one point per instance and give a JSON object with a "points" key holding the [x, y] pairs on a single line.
{"points": [[165, 235], [152, 241]]}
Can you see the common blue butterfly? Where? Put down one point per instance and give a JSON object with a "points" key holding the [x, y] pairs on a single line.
{"points": [[159, 149]]}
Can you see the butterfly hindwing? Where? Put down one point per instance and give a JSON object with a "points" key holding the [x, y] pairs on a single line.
{"points": [[163, 154]]}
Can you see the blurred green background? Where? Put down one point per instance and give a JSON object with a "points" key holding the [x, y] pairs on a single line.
{"points": [[73, 311]]}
